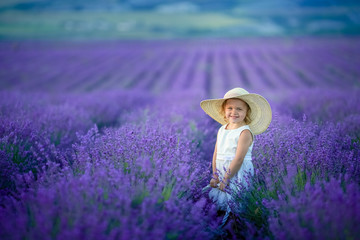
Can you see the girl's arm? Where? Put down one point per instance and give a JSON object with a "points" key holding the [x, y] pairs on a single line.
{"points": [[243, 145]]}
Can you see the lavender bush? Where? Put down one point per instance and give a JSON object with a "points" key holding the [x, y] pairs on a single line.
{"points": [[324, 150], [108, 108], [321, 105], [325, 210], [34, 133], [39, 128]]}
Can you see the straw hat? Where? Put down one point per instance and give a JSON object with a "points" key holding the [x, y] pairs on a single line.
{"points": [[260, 109]]}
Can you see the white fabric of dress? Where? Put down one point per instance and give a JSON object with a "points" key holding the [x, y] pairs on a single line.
{"points": [[227, 141]]}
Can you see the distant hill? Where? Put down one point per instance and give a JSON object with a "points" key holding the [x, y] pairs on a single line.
{"points": [[154, 19], [199, 5]]}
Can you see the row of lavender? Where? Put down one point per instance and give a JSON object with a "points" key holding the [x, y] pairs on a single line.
{"points": [[213, 65], [140, 171]]}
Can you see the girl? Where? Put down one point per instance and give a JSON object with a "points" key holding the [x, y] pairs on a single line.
{"points": [[242, 115]]}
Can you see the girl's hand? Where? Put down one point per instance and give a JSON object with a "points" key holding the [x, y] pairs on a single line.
{"points": [[223, 185], [214, 182]]}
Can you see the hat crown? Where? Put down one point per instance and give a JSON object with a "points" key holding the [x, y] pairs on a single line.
{"points": [[235, 92]]}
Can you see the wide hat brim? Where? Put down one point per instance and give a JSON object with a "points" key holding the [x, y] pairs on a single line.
{"points": [[260, 116]]}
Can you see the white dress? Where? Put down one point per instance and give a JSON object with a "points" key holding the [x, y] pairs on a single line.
{"points": [[227, 142]]}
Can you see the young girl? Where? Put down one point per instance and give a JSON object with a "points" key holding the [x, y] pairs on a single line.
{"points": [[242, 115]]}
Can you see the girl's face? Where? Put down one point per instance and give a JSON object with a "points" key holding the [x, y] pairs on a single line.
{"points": [[235, 111]]}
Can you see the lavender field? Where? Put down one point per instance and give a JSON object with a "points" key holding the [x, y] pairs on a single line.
{"points": [[107, 140]]}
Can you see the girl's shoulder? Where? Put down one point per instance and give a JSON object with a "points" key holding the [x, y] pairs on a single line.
{"points": [[246, 127]]}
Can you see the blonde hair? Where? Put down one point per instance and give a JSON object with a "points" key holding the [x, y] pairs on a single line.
{"points": [[247, 119]]}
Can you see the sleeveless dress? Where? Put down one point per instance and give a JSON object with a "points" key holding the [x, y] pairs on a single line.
{"points": [[227, 142]]}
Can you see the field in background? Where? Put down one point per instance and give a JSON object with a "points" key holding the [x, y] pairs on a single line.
{"points": [[211, 66]]}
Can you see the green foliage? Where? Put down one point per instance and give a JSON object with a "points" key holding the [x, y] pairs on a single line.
{"points": [[300, 179], [31, 223], [172, 235], [55, 138], [166, 193], [126, 167], [56, 227], [113, 223], [13, 150], [139, 198]]}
